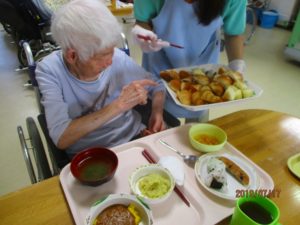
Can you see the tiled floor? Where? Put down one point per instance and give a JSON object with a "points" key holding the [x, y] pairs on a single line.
{"points": [[266, 66]]}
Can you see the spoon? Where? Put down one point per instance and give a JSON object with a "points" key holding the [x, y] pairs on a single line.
{"points": [[188, 159]]}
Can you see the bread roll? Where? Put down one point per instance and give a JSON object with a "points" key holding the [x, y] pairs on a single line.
{"points": [[217, 88], [165, 75], [175, 85], [205, 88], [188, 86], [225, 80], [235, 75], [198, 71], [185, 85], [169, 75], [197, 86], [187, 79], [201, 79], [222, 70], [184, 74], [209, 96], [196, 98], [185, 97]]}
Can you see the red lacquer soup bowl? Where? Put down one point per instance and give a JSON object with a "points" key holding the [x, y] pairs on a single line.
{"points": [[94, 166]]}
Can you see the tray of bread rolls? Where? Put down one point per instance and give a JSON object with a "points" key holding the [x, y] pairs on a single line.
{"points": [[206, 86]]}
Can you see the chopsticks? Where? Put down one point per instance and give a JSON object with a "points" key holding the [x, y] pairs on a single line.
{"points": [[150, 159], [148, 39]]}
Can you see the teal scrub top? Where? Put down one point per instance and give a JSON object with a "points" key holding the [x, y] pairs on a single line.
{"points": [[234, 14]]}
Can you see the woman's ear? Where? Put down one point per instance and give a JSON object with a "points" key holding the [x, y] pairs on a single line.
{"points": [[71, 56]]}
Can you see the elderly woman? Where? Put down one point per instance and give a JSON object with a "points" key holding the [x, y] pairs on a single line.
{"points": [[90, 87]]}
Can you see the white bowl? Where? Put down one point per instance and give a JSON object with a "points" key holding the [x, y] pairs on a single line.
{"points": [[145, 170], [123, 199]]}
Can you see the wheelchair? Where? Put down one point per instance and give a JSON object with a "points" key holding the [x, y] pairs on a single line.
{"points": [[41, 162], [44, 162], [28, 20]]}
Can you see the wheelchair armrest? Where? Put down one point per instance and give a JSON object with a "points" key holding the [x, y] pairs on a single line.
{"points": [[58, 157], [170, 120], [125, 46]]}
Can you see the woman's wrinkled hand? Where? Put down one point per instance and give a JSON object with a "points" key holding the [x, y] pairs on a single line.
{"points": [[134, 94]]}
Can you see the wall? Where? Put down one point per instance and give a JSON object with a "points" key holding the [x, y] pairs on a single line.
{"points": [[285, 8]]}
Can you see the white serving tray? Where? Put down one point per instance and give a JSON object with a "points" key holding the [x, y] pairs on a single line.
{"points": [[205, 209], [257, 90]]}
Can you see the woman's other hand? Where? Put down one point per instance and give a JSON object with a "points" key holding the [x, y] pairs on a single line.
{"points": [[156, 123]]}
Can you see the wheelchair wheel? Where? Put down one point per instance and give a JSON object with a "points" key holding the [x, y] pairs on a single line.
{"points": [[35, 46], [43, 168], [22, 57]]}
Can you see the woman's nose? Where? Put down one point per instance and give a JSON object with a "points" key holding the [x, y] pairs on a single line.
{"points": [[108, 61]]}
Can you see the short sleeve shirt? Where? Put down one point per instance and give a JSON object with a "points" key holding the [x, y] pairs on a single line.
{"points": [[234, 13]]}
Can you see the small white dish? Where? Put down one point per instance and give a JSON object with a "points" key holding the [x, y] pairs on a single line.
{"points": [[234, 187], [141, 172]]}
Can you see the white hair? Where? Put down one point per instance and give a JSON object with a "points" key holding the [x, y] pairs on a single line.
{"points": [[86, 26]]}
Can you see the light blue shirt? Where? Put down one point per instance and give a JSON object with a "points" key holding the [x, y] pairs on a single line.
{"points": [[65, 98]]}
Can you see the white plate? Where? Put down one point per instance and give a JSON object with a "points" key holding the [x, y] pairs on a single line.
{"points": [[234, 187], [257, 90]]}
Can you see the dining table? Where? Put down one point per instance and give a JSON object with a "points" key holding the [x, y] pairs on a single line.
{"points": [[266, 137]]}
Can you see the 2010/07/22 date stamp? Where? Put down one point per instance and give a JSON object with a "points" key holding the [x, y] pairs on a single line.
{"points": [[269, 193]]}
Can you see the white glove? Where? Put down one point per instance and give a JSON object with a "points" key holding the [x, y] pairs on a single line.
{"points": [[151, 45], [238, 65]]}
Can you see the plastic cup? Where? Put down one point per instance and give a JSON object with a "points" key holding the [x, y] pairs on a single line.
{"points": [[255, 211]]}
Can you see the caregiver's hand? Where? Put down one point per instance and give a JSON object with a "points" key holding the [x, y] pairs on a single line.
{"points": [[238, 65], [151, 44], [133, 94]]}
